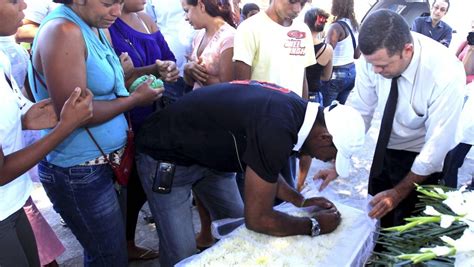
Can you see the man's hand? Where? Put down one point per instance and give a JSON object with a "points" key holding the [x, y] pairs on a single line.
{"points": [[40, 116], [77, 109], [328, 219], [384, 202], [145, 95], [167, 70], [327, 175], [320, 203]]}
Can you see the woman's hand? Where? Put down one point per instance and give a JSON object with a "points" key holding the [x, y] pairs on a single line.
{"points": [[145, 95], [196, 71], [40, 116], [167, 70], [77, 109], [127, 64]]}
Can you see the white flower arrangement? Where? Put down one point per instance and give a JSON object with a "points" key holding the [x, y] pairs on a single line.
{"points": [[450, 212], [247, 248]]}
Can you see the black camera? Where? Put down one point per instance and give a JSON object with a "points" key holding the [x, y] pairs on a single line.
{"points": [[164, 175], [470, 38]]}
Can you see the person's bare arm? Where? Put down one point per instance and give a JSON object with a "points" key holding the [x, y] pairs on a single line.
{"points": [[27, 32], [327, 70], [461, 48], [76, 110], [261, 217], [61, 41], [304, 165], [468, 61], [305, 93], [242, 71], [334, 34]]}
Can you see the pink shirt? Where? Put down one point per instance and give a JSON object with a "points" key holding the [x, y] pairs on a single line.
{"points": [[222, 40]]}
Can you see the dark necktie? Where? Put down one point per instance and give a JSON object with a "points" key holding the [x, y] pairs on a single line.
{"points": [[385, 131]]}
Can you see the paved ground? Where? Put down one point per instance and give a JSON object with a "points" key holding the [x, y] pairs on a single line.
{"points": [[355, 187]]}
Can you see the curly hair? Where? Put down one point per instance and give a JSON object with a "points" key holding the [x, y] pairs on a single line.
{"points": [[345, 9], [311, 16], [217, 8]]}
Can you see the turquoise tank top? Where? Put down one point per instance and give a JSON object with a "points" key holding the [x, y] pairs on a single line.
{"points": [[104, 79]]}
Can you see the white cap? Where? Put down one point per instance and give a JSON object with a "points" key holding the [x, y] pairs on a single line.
{"points": [[347, 128]]}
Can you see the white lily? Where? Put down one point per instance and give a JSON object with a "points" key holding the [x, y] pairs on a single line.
{"points": [[456, 202], [439, 190], [429, 210], [438, 250], [446, 221]]}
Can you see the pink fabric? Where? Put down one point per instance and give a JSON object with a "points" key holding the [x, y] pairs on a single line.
{"points": [[465, 47], [223, 39], [49, 246]]}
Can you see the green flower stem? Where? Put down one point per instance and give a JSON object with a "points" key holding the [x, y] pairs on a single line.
{"points": [[414, 221]]}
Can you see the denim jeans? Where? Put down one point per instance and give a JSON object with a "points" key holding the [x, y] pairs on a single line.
{"points": [[453, 161], [316, 97], [172, 212], [85, 198], [340, 85]]}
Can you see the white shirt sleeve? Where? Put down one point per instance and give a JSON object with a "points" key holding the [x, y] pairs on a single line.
{"points": [[37, 10], [364, 97]]}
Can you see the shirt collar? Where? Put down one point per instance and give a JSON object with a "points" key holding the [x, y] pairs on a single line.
{"points": [[410, 73], [430, 21], [309, 118]]}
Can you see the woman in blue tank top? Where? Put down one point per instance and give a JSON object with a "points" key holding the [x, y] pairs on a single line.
{"points": [[70, 50]]}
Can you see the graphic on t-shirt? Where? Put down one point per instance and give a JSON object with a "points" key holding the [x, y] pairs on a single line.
{"points": [[294, 43], [263, 84]]}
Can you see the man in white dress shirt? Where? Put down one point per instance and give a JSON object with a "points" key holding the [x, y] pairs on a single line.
{"points": [[430, 98]]}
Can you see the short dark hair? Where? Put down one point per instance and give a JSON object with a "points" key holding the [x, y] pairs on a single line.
{"points": [[447, 1], [249, 7], [311, 15], [384, 29]]}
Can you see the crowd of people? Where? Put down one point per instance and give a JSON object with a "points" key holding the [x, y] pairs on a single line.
{"points": [[247, 93]]}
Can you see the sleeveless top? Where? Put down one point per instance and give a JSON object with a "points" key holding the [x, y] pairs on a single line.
{"points": [[144, 49], [344, 51], [313, 72], [105, 79]]}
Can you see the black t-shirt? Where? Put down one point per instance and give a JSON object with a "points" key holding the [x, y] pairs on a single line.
{"points": [[227, 126]]}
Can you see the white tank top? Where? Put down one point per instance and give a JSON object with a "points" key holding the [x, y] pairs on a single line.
{"points": [[344, 51]]}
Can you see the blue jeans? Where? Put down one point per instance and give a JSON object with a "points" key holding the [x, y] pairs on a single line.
{"points": [[87, 201], [172, 212], [340, 85], [316, 97]]}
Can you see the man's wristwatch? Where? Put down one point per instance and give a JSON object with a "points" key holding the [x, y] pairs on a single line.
{"points": [[315, 229]]}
